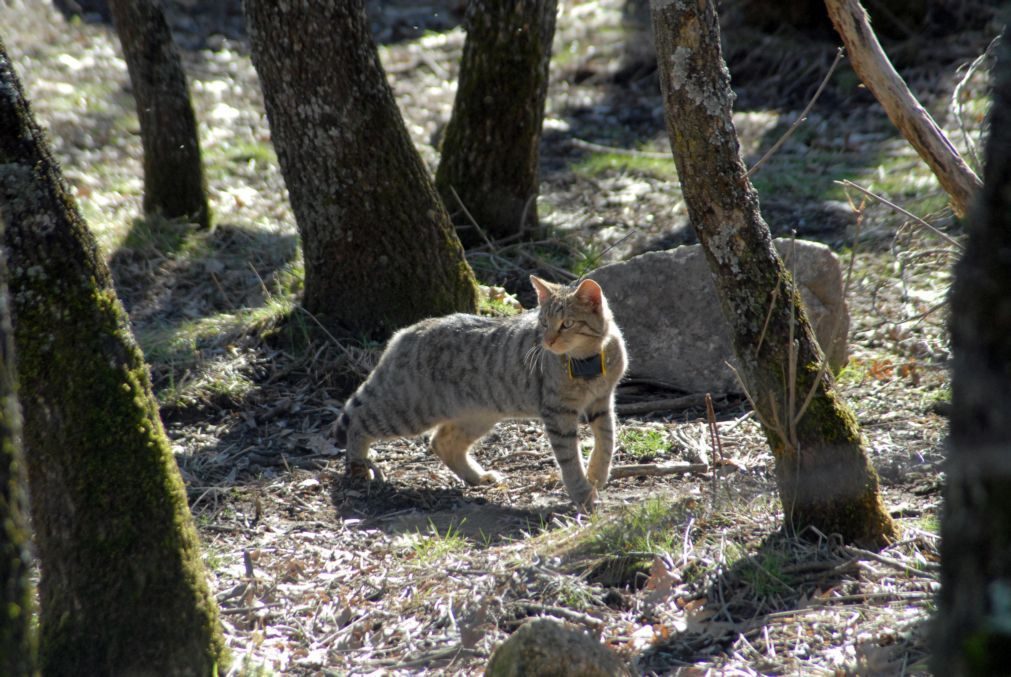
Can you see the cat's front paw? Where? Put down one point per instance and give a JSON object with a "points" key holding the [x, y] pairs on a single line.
{"points": [[490, 477], [598, 477], [364, 470], [585, 500]]}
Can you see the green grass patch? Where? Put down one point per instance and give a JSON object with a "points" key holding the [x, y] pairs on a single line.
{"points": [[599, 164], [618, 550], [652, 527], [643, 444], [762, 573], [435, 545], [497, 302], [259, 152]]}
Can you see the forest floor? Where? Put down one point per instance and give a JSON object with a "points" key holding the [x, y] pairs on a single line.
{"points": [[685, 574]]}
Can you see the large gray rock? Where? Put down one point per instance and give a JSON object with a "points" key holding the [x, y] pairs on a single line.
{"points": [[666, 306], [545, 647]]}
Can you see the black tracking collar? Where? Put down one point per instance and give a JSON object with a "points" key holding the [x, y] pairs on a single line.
{"points": [[588, 367]]}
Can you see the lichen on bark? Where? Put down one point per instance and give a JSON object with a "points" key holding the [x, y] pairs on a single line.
{"points": [[122, 587]]}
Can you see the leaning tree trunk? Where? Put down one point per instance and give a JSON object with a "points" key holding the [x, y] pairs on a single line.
{"points": [[913, 121], [17, 636], [825, 479], [490, 154], [174, 183], [379, 248], [973, 625], [122, 587]]}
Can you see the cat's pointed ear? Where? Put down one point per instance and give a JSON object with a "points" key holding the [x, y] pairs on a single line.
{"points": [[590, 293], [541, 287]]}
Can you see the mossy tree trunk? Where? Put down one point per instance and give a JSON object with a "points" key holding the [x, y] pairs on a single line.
{"points": [[490, 153], [825, 479], [379, 248], [122, 587], [973, 625], [174, 184], [17, 635]]}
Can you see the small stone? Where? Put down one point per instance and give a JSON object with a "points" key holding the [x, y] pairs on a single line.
{"points": [[543, 647]]}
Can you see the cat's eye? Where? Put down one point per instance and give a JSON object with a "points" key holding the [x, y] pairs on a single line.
{"points": [[567, 324]]}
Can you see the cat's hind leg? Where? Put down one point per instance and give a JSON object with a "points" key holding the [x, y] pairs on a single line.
{"points": [[451, 443]]}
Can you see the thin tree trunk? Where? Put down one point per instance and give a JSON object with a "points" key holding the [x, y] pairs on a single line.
{"points": [[491, 150], [17, 635], [122, 588], [379, 248], [913, 121], [174, 184], [825, 479], [973, 625]]}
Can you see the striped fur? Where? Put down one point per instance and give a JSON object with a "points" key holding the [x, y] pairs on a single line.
{"points": [[461, 374]]}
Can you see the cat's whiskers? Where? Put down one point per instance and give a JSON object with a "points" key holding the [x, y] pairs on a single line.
{"points": [[535, 357]]}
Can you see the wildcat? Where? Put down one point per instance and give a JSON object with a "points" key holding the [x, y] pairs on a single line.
{"points": [[460, 374]]}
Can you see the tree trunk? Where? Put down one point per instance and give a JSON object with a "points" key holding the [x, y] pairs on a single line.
{"points": [[490, 154], [17, 636], [174, 183], [379, 248], [913, 121], [122, 588], [825, 479], [973, 625]]}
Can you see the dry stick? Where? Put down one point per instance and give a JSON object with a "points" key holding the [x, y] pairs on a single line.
{"points": [[566, 614], [598, 148], [668, 404], [867, 554], [714, 433], [470, 217], [657, 469], [908, 214], [800, 118], [714, 439], [877, 73], [956, 98]]}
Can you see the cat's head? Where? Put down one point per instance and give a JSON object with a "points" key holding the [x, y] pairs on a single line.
{"points": [[575, 320]]}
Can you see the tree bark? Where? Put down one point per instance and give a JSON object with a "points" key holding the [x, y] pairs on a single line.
{"points": [[174, 184], [491, 150], [17, 635], [122, 587], [824, 477], [379, 248], [973, 624], [913, 121]]}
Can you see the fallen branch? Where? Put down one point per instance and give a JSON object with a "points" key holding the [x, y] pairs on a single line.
{"points": [[564, 614], [877, 73], [666, 404], [654, 469], [598, 148]]}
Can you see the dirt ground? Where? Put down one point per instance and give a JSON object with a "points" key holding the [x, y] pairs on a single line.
{"points": [[687, 573]]}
